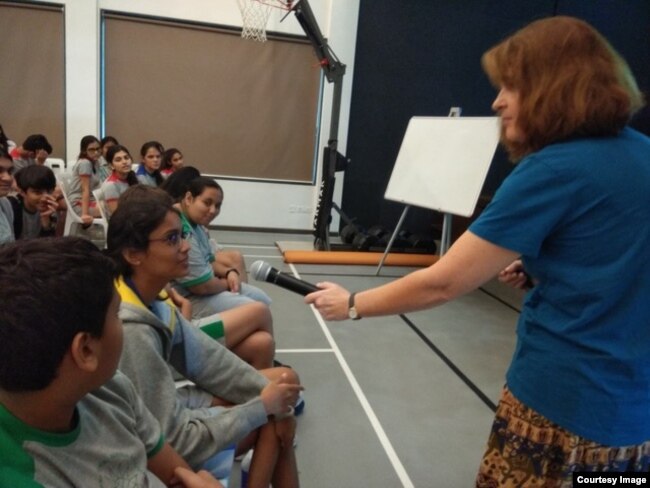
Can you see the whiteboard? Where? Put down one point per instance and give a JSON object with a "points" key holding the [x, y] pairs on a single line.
{"points": [[443, 162]]}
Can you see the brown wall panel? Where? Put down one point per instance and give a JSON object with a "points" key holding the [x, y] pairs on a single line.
{"points": [[233, 107], [32, 78]]}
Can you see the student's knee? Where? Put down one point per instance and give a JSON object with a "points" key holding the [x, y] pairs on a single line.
{"points": [[290, 374], [262, 313], [263, 343], [238, 259]]}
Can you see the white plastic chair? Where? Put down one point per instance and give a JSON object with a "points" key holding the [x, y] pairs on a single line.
{"points": [[71, 216], [101, 205], [56, 165]]}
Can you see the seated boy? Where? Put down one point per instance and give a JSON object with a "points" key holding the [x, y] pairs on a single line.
{"points": [[35, 148], [35, 206], [66, 417]]}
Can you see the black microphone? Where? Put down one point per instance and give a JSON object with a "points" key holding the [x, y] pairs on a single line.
{"points": [[263, 271]]}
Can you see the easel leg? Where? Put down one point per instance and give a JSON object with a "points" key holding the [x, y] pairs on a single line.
{"points": [[392, 238], [445, 238]]}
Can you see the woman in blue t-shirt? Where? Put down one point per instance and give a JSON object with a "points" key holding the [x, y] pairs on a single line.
{"points": [[576, 211]]}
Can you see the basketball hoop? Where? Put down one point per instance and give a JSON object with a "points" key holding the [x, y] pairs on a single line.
{"points": [[255, 14]]}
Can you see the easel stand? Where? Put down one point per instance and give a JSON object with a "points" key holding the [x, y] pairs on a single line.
{"points": [[442, 165], [445, 239]]}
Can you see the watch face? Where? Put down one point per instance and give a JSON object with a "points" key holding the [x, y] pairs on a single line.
{"points": [[352, 313]]}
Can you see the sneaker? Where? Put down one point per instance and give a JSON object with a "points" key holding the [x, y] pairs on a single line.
{"points": [[300, 405], [278, 364], [245, 468]]}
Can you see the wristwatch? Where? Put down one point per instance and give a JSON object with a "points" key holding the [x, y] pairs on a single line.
{"points": [[352, 310]]}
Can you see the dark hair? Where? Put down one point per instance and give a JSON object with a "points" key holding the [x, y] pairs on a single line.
{"points": [[143, 151], [4, 154], [36, 177], [140, 210], [4, 140], [107, 139], [83, 147], [176, 183], [50, 290], [571, 82], [36, 142], [131, 178], [167, 157], [198, 185]]}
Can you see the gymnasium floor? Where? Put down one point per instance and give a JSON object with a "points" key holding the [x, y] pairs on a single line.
{"points": [[390, 402]]}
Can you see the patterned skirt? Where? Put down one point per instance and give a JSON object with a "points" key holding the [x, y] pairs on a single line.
{"points": [[527, 450]]}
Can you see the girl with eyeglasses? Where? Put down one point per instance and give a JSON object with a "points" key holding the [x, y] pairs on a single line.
{"points": [[85, 179], [229, 402]]}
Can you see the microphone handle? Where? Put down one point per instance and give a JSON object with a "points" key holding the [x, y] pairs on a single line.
{"points": [[291, 283]]}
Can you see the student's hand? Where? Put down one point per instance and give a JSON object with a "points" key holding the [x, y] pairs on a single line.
{"points": [[48, 206], [285, 430], [514, 275], [58, 196], [40, 156], [331, 301], [87, 219], [279, 396], [233, 280], [190, 479], [183, 304]]}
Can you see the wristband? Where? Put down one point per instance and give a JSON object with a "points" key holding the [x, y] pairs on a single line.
{"points": [[228, 272]]}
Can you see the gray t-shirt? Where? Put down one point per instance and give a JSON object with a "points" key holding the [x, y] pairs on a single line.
{"points": [[31, 225], [82, 167], [20, 163], [114, 434], [6, 222]]}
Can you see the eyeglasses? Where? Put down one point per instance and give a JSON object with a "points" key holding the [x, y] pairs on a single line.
{"points": [[93, 149], [173, 239]]}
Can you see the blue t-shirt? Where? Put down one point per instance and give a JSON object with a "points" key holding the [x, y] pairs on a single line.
{"points": [[579, 214], [144, 177]]}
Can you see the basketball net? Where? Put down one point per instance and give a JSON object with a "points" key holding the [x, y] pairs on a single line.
{"points": [[255, 14]]}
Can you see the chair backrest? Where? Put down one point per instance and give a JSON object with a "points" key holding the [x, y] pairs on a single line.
{"points": [[101, 204], [64, 182], [56, 165]]}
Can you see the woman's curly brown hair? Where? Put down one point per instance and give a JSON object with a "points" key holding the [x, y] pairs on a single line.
{"points": [[571, 82]]}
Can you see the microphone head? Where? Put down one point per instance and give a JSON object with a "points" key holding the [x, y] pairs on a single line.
{"points": [[260, 270]]}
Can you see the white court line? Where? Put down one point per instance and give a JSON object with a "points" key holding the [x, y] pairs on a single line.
{"points": [[365, 404], [291, 351], [248, 246], [265, 256]]}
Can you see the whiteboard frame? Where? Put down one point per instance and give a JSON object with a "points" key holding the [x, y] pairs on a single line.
{"points": [[443, 162]]}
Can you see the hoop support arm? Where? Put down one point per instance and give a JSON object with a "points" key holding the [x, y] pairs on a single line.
{"points": [[333, 161]]}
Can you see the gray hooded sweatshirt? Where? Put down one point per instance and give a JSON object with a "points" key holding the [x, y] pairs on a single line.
{"points": [[152, 344]]}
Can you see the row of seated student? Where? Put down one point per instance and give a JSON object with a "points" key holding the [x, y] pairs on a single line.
{"points": [[214, 291], [214, 284], [69, 418], [94, 166]]}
